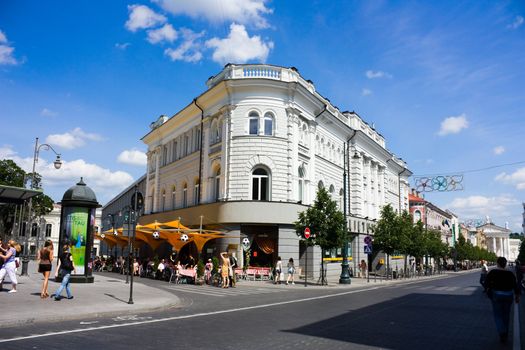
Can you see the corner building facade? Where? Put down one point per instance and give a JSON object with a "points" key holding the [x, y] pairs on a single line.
{"points": [[249, 154]]}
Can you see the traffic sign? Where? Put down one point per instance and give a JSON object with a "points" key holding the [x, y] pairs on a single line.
{"points": [[368, 249], [368, 240], [307, 232]]}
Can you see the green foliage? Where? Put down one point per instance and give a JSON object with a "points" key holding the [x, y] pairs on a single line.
{"points": [[325, 221], [521, 256], [11, 174], [200, 269], [389, 232], [416, 241], [215, 262]]}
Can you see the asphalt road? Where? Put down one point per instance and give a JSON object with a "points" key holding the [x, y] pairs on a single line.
{"points": [[447, 313]]}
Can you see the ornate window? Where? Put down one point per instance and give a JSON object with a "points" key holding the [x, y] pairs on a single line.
{"points": [[173, 197], [301, 173], [254, 123], [185, 196], [268, 124], [196, 192], [48, 230], [417, 215], [217, 185], [260, 185], [320, 184]]}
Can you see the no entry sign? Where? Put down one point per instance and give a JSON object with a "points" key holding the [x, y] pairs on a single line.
{"points": [[307, 233]]}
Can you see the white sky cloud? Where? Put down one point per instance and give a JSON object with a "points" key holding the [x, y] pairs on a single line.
{"points": [[122, 46], [72, 139], [133, 157], [238, 47], [517, 178], [6, 51], [518, 21], [478, 207], [366, 92], [248, 12], [498, 150], [189, 50], [142, 17], [164, 33], [453, 125], [370, 74], [46, 112]]}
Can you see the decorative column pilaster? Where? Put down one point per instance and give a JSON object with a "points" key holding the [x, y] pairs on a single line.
{"points": [[292, 164]]}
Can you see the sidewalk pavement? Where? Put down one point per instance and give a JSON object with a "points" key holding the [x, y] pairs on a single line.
{"points": [[106, 296]]}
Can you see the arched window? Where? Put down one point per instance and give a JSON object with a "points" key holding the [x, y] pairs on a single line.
{"points": [[304, 134], [217, 185], [152, 203], [196, 192], [320, 185], [173, 197], [163, 201], [268, 124], [214, 134], [301, 173], [254, 123], [260, 185], [341, 198], [185, 196], [417, 216], [331, 190]]}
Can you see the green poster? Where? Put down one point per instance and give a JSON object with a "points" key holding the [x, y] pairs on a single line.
{"points": [[79, 226]]}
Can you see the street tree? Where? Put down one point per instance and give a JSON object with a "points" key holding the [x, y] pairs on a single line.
{"points": [[326, 223], [389, 233]]}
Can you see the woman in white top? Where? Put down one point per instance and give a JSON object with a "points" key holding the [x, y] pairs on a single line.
{"points": [[9, 266], [278, 270]]}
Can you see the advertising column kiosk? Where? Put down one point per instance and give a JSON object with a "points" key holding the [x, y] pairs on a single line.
{"points": [[77, 224]]}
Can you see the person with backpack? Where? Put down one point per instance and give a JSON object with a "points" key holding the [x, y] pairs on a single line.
{"points": [[64, 268]]}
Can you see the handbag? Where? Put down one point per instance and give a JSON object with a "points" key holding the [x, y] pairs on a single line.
{"points": [[17, 263]]}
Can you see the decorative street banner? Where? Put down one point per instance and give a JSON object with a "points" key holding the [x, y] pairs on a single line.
{"points": [[441, 183], [77, 220]]}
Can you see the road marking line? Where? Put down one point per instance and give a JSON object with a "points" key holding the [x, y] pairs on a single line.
{"points": [[174, 318]]}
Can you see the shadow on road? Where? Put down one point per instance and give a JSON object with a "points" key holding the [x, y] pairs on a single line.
{"points": [[416, 321]]}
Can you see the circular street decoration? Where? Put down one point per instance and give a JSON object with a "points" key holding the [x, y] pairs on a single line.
{"points": [[184, 237], [156, 235]]}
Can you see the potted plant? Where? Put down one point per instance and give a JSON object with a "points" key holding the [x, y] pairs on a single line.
{"points": [[200, 273]]}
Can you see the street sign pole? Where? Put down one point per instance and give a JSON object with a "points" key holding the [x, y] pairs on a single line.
{"points": [[306, 237]]}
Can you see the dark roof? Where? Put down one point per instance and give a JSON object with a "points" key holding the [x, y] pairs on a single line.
{"points": [[17, 195], [80, 194]]}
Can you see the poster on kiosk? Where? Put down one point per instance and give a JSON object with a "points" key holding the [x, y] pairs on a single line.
{"points": [[77, 224]]}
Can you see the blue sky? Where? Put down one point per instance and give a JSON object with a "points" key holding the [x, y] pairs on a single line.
{"points": [[442, 81]]}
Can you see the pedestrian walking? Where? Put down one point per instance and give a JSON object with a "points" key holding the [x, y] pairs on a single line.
{"points": [[483, 275], [45, 259], [291, 271], [9, 265], [278, 270], [501, 285], [233, 265], [362, 267], [64, 268], [225, 269]]}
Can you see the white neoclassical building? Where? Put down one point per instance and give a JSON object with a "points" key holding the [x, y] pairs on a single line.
{"points": [[496, 239], [248, 154]]}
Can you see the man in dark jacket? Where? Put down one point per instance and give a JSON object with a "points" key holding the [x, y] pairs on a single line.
{"points": [[502, 288]]}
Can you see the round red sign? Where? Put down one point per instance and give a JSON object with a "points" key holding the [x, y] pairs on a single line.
{"points": [[307, 233]]}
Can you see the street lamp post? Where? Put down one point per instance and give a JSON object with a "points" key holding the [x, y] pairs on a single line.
{"points": [[345, 275], [57, 163]]}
